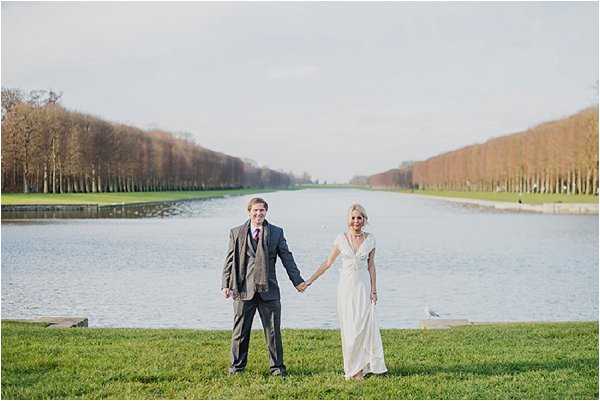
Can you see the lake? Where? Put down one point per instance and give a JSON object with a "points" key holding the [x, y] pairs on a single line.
{"points": [[464, 262]]}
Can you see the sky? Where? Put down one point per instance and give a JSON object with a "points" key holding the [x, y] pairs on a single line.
{"points": [[331, 89]]}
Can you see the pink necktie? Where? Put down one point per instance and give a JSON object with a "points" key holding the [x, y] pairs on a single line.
{"points": [[256, 234]]}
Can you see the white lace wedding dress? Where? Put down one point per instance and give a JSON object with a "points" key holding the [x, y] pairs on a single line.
{"points": [[361, 340]]}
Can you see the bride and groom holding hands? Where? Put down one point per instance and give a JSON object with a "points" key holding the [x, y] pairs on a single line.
{"points": [[249, 277]]}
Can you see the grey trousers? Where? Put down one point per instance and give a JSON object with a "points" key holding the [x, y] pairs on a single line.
{"points": [[270, 316]]}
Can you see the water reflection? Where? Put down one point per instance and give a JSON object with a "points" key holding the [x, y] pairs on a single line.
{"points": [[132, 211]]}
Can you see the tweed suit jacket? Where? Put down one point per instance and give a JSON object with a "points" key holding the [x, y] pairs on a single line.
{"points": [[277, 246]]}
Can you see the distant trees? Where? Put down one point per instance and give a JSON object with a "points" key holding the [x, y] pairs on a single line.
{"points": [[394, 178], [359, 180], [555, 157], [401, 177], [304, 178], [46, 148]]}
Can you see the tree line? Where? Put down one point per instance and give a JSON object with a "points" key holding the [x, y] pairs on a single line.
{"points": [[46, 148], [394, 178], [554, 157]]}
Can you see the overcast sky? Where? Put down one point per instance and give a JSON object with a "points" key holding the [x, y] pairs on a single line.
{"points": [[334, 89]]}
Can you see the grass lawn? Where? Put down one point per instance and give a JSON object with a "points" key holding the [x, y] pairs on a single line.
{"points": [[510, 197], [522, 361], [121, 197]]}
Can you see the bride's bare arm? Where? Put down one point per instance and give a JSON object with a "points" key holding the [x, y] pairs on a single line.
{"points": [[373, 276], [326, 265]]}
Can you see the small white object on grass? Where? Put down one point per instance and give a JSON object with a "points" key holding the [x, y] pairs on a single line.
{"points": [[430, 313]]}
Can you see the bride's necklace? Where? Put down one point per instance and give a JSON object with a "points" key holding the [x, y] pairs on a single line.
{"points": [[355, 240]]}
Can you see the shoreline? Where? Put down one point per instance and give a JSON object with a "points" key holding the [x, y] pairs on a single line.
{"points": [[544, 208], [569, 208], [132, 199], [424, 324], [83, 208], [115, 199], [531, 202]]}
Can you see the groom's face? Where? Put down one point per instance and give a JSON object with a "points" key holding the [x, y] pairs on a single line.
{"points": [[258, 214]]}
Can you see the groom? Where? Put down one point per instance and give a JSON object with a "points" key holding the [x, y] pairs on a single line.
{"points": [[249, 277]]}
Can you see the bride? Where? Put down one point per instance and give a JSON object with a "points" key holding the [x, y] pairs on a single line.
{"points": [[356, 297]]}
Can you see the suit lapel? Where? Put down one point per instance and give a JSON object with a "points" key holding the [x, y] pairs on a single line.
{"points": [[267, 236]]}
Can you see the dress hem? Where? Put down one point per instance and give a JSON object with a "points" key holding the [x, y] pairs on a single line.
{"points": [[365, 372]]}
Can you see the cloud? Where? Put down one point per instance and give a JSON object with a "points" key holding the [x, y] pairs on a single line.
{"points": [[293, 72]]}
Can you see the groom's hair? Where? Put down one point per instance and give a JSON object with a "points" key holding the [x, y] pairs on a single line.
{"points": [[254, 201]]}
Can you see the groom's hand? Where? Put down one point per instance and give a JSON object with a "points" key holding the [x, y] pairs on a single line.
{"points": [[226, 292], [301, 287]]}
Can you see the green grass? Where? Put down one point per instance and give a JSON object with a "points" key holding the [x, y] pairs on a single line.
{"points": [[140, 197], [120, 197], [523, 361], [531, 198]]}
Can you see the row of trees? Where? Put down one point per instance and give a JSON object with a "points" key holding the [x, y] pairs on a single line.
{"points": [[394, 178], [555, 157], [46, 148], [359, 180]]}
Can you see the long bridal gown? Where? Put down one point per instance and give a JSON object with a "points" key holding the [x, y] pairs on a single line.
{"points": [[361, 340]]}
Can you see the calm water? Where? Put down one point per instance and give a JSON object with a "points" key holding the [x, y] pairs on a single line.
{"points": [[165, 271]]}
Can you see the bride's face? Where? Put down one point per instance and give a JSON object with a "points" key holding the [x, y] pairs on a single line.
{"points": [[357, 221]]}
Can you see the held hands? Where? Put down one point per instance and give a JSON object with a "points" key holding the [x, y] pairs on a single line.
{"points": [[227, 292], [302, 286]]}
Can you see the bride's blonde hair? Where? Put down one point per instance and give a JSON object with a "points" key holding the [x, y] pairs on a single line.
{"points": [[357, 207]]}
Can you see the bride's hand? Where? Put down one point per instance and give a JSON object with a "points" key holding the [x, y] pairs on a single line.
{"points": [[374, 298]]}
